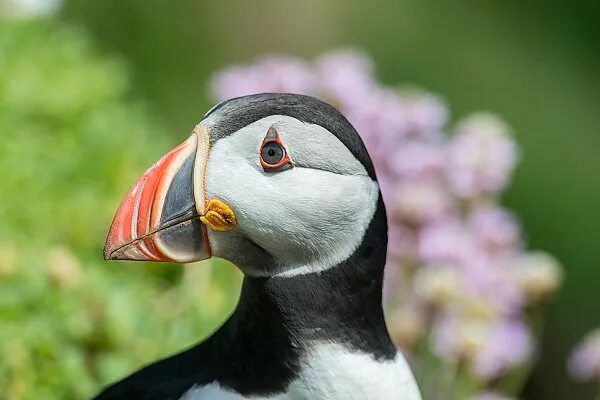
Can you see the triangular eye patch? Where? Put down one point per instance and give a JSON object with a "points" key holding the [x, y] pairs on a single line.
{"points": [[271, 134]]}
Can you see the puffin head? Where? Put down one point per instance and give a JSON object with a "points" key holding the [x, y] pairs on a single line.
{"points": [[278, 184]]}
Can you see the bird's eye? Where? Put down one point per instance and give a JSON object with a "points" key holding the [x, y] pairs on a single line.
{"points": [[273, 154]]}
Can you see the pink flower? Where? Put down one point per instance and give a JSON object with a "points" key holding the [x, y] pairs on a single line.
{"points": [[489, 348], [425, 113], [417, 159], [482, 157], [444, 337], [495, 229], [491, 281], [446, 242], [270, 74], [584, 362], [380, 119], [346, 77], [507, 345]]}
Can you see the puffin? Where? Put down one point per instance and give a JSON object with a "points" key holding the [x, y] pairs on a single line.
{"points": [[282, 186]]}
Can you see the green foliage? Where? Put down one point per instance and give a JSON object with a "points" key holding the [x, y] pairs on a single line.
{"points": [[71, 144]]}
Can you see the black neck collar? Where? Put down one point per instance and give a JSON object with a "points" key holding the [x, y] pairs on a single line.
{"points": [[341, 304]]}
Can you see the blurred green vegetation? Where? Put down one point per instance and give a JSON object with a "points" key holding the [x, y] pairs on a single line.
{"points": [[535, 63], [72, 143]]}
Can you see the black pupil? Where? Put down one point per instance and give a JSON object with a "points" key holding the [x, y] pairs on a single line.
{"points": [[272, 153]]}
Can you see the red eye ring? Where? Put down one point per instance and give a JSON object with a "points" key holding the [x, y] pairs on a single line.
{"points": [[270, 146]]}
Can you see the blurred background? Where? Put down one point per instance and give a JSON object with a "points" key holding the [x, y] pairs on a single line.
{"points": [[93, 92]]}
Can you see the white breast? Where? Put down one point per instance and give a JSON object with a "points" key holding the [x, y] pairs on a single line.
{"points": [[331, 372]]}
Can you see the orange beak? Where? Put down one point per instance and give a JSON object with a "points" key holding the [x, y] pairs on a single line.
{"points": [[159, 218]]}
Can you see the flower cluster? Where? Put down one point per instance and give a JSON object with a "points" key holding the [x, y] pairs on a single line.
{"points": [[459, 282]]}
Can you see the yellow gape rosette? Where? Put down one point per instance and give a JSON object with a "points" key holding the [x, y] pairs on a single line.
{"points": [[218, 216]]}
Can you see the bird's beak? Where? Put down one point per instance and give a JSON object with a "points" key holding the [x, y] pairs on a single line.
{"points": [[160, 217]]}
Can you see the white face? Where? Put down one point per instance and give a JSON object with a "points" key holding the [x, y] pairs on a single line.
{"points": [[299, 220]]}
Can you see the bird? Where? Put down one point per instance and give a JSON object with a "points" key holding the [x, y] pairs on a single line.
{"points": [[282, 186]]}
